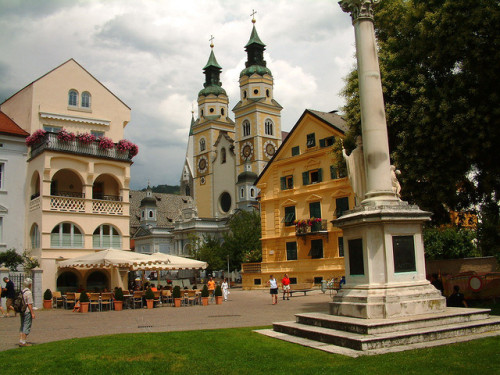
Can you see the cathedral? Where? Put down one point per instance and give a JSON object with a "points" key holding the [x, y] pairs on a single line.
{"points": [[225, 157]]}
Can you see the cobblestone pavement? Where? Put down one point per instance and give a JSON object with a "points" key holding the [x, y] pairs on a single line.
{"points": [[244, 309]]}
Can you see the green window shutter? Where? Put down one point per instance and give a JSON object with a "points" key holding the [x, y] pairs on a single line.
{"points": [[320, 175], [305, 178], [289, 215], [342, 205], [333, 172], [315, 209], [341, 246], [291, 251], [283, 183], [322, 142], [290, 185], [295, 151]]}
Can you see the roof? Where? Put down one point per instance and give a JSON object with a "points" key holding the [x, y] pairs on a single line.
{"points": [[168, 209], [254, 38], [70, 60], [9, 127], [330, 118], [247, 176], [212, 61]]}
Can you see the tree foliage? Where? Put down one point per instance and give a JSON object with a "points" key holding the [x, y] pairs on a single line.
{"points": [[439, 66], [210, 251], [11, 259], [449, 243], [242, 242]]}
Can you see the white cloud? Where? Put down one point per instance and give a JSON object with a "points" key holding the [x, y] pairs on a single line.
{"points": [[151, 54]]}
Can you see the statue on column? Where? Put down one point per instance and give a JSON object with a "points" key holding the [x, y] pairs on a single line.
{"points": [[396, 186], [356, 170]]}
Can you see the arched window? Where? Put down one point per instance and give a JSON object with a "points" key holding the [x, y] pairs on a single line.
{"points": [[202, 144], [246, 128], [151, 213], [73, 98], [35, 237], [252, 192], [66, 235], [106, 237], [85, 100], [222, 111], [269, 127], [222, 155]]}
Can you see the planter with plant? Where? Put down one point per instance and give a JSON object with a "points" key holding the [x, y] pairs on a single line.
{"points": [[118, 302], [47, 299], [204, 296], [84, 302], [176, 294], [150, 296], [218, 295]]}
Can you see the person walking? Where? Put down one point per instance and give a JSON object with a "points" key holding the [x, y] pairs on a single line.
{"points": [[225, 289], [28, 315], [10, 294], [285, 281], [273, 285]]}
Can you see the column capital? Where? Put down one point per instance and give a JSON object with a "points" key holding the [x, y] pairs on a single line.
{"points": [[359, 9]]}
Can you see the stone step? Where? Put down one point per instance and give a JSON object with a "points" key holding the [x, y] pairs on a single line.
{"points": [[377, 326], [363, 342]]}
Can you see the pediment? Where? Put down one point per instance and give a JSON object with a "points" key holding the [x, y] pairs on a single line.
{"points": [[289, 202], [314, 198]]}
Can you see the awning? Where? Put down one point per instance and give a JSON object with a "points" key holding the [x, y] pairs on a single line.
{"points": [[172, 262], [110, 258]]}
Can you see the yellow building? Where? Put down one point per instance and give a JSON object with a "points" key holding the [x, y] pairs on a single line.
{"points": [[77, 195], [301, 193]]}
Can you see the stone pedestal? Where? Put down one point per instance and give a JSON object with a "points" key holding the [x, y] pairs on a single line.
{"points": [[385, 264]]}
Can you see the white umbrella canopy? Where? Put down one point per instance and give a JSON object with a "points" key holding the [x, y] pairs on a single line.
{"points": [[112, 258], [173, 262]]}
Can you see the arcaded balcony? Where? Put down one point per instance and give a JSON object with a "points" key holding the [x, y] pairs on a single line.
{"points": [[50, 142]]}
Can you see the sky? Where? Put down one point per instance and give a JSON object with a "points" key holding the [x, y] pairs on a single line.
{"points": [[150, 53]]}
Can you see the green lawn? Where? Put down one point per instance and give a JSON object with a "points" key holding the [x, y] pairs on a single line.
{"points": [[236, 351]]}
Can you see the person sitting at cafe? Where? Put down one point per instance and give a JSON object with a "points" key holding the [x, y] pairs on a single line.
{"points": [[153, 288]]}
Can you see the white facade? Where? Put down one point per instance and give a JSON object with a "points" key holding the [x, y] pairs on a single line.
{"points": [[13, 155]]}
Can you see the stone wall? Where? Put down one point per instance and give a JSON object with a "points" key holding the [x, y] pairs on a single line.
{"points": [[456, 266]]}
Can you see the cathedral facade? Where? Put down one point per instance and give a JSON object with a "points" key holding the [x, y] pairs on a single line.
{"points": [[225, 157]]}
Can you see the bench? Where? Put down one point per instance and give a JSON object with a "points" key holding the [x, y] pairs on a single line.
{"points": [[299, 288]]}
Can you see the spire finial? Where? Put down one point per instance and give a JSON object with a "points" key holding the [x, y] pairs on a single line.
{"points": [[211, 41], [253, 15]]}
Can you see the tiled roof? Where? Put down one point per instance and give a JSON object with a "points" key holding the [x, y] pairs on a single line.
{"points": [[9, 127], [332, 118], [168, 207]]}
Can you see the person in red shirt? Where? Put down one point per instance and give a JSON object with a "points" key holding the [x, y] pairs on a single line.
{"points": [[285, 281]]}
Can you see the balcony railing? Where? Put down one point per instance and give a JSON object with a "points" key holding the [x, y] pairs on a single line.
{"points": [[51, 143], [250, 267], [301, 230]]}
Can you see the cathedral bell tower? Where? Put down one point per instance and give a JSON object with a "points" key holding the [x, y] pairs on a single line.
{"points": [[257, 114], [212, 121]]}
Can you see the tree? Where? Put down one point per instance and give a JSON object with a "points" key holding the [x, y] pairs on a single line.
{"points": [[242, 242], [439, 67], [11, 259], [449, 243], [210, 251]]}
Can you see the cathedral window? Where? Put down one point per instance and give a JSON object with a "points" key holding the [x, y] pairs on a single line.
{"points": [[242, 192], [267, 93], [202, 144], [211, 110], [223, 155], [268, 127], [252, 192], [73, 98], [244, 94], [222, 111], [85, 100], [246, 128]]}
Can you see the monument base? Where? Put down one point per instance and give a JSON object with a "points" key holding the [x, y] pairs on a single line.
{"points": [[385, 264], [387, 302]]}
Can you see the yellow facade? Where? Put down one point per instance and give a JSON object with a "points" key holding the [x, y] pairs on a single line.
{"points": [[77, 195], [301, 183]]}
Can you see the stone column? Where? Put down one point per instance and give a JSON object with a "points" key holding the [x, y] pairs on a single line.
{"points": [[36, 287], [373, 122]]}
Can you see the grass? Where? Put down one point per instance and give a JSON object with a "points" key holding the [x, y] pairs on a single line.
{"points": [[236, 351]]}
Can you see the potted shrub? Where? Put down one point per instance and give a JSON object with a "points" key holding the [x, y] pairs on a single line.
{"points": [[204, 296], [218, 295], [118, 299], [84, 302], [47, 299], [176, 294], [150, 296]]}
